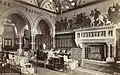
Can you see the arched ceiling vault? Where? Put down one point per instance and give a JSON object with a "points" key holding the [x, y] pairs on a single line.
{"points": [[18, 21], [59, 5]]}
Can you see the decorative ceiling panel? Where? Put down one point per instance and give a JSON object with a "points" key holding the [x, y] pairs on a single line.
{"points": [[61, 5]]}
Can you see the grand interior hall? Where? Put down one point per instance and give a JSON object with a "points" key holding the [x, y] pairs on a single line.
{"points": [[72, 36]]}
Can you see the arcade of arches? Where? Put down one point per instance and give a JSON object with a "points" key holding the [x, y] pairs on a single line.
{"points": [[25, 27], [17, 34]]}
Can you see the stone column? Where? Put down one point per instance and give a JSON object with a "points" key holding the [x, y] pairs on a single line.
{"points": [[83, 51], [83, 54], [114, 50], [1, 33], [109, 48], [33, 41], [0, 43], [109, 58], [114, 47], [105, 53], [20, 50], [53, 42]]}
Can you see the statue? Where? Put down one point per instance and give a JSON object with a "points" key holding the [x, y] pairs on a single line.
{"points": [[44, 46]]}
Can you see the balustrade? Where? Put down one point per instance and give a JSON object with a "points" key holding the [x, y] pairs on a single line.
{"points": [[95, 32]]}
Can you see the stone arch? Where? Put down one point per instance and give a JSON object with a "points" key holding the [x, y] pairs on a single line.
{"points": [[48, 21], [15, 10]]}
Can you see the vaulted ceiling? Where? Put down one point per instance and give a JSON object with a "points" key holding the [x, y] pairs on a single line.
{"points": [[59, 5]]}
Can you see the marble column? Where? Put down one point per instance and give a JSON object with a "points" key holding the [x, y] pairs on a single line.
{"points": [[0, 44], [114, 47], [20, 50], [109, 50], [109, 58], [1, 33], [33, 41], [83, 54], [53, 42], [114, 51], [83, 51]]}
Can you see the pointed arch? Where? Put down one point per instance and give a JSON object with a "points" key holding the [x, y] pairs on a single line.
{"points": [[15, 10], [48, 21]]}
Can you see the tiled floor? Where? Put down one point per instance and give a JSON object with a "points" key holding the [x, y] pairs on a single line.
{"points": [[78, 71]]}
